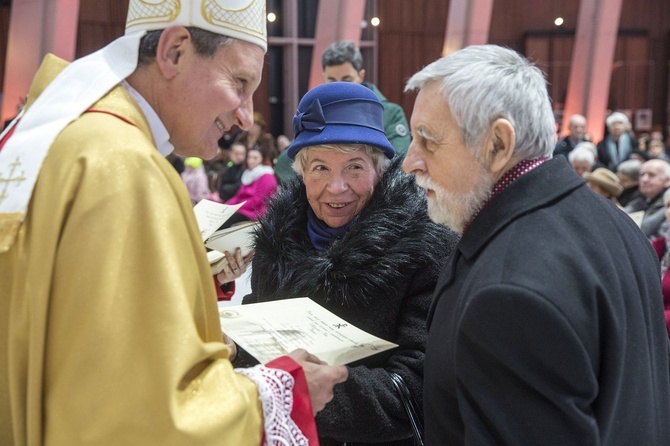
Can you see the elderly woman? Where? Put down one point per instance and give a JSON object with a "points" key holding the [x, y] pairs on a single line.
{"points": [[352, 233], [619, 143]]}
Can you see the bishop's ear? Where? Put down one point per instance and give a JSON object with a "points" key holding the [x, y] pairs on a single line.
{"points": [[173, 44], [501, 146]]}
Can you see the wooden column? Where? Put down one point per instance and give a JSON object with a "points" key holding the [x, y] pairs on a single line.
{"points": [[591, 68], [468, 23], [336, 20], [36, 27]]}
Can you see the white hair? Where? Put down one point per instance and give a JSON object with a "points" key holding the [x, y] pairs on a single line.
{"points": [[616, 117], [483, 83], [581, 154], [588, 146]]}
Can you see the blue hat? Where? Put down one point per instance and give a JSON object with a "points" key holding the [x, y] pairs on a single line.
{"points": [[340, 113]]}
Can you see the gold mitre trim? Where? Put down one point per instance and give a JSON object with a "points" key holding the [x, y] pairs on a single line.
{"points": [[240, 19], [10, 222]]}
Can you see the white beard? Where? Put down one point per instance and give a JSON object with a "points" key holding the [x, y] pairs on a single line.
{"points": [[455, 209]]}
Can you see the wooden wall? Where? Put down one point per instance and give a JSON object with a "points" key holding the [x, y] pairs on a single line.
{"points": [[411, 36], [409, 39], [100, 22]]}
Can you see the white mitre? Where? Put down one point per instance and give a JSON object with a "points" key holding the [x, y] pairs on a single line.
{"points": [[241, 19], [88, 79]]}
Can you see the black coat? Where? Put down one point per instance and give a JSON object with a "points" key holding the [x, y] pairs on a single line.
{"points": [[380, 277], [547, 326]]}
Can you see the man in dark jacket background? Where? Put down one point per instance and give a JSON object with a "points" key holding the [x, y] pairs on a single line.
{"points": [[547, 324]]}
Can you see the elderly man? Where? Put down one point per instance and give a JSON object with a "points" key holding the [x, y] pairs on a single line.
{"points": [[577, 127], [109, 327], [654, 180], [547, 324]]}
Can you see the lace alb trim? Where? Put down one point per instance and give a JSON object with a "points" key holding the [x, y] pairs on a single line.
{"points": [[275, 388]]}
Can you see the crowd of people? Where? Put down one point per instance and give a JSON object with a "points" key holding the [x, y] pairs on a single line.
{"points": [[525, 291]]}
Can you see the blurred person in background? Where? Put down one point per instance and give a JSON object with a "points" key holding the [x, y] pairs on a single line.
{"points": [[257, 137], [577, 128], [654, 180], [629, 176], [604, 182], [661, 245], [618, 143], [195, 178], [342, 62]]}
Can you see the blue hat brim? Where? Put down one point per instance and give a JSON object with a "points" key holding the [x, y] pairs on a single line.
{"points": [[341, 134]]}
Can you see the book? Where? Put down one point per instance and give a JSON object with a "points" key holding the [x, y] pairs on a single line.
{"points": [[268, 330], [210, 215]]}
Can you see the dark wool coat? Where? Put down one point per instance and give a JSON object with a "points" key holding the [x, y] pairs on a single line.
{"points": [[380, 277], [548, 325]]}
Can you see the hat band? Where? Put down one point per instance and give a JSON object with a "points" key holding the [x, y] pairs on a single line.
{"points": [[316, 118]]}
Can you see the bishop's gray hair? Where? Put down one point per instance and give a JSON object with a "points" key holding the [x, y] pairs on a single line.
{"points": [[483, 83], [205, 42]]}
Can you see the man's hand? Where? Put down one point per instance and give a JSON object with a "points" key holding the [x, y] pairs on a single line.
{"points": [[321, 377]]}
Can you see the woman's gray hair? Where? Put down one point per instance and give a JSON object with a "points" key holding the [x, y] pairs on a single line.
{"points": [[581, 154], [616, 117], [205, 42], [630, 168], [483, 83], [379, 160]]}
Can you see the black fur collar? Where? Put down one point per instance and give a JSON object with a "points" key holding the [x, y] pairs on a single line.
{"points": [[389, 241]]}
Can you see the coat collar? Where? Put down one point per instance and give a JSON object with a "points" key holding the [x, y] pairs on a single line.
{"points": [[536, 189]]}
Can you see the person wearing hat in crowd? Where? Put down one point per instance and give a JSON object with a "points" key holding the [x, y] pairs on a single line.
{"points": [[604, 182], [342, 62], [352, 233], [109, 329]]}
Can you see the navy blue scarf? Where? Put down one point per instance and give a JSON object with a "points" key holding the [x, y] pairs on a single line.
{"points": [[320, 233]]}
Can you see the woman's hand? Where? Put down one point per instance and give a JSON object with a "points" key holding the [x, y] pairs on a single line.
{"points": [[236, 266]]}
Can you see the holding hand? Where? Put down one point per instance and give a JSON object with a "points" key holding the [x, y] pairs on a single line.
{"points": [[321, 377], [235, 266]]}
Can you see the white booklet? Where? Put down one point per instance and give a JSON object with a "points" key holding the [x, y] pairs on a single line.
{"points": [[270, 329], [210, 215]]}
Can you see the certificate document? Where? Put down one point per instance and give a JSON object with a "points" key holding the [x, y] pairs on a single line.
{"points": [[267, 330]]}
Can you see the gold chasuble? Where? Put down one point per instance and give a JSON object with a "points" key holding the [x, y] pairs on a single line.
{"points": [[108, 317]]}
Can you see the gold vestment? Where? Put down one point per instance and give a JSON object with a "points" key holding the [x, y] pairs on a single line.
{"points": [[109, 329]]}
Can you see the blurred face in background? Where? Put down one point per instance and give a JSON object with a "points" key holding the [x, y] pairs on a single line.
{"points": [[617, 128], [656, 149], [343, 73], [581, 167], [238, 153], [653, 178], [254, 158], [577, 127]]}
